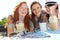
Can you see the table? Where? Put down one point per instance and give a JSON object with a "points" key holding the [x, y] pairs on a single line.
{"points": [[53, 37], [48, 35]]}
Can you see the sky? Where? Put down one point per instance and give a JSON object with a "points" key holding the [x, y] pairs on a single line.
{"points": [[7, 6]]}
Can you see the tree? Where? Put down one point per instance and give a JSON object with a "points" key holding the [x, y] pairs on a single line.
{"points": [[0, 22], [3, 21]]}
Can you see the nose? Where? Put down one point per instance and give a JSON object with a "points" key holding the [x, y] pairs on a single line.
{"points": [[36, 11]]}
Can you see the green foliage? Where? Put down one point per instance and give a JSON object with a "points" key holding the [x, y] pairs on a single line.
{"points": [[0, 22], [3, 21]]}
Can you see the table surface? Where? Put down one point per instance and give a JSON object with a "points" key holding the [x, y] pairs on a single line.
{"points": [[54, 36]]}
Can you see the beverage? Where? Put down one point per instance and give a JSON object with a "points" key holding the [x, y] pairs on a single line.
{"points": [[43, 26], [54, 26], [53, 22]]}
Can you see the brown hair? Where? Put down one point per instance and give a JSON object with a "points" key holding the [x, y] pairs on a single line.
{"points": [[11, 18], [27, 22], [33, 16], [16, 13], [26, 19]]}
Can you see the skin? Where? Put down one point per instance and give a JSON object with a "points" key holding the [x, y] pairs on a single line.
{"points": [[9, 29], [52, 8], [47, 9], [36, 9], [22, 11], [9, 19]]}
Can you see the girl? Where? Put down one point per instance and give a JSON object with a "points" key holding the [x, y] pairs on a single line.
{"points": [[10, 25], [38, 15], [19, 16]]}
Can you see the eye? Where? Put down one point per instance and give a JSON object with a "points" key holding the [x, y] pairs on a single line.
{"points": [[37, 7]]}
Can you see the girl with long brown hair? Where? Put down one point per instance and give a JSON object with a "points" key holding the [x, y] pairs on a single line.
{"points": [[38, 15], [10, 25], [21, 15]]}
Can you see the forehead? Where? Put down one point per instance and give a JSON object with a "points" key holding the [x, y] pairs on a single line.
{"points": [[35, 5], [47, 7], [23, 4]]}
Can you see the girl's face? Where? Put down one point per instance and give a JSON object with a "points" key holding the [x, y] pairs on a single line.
{"points": [[23, 10], [10, 19], [36, 9], [47, 9]]}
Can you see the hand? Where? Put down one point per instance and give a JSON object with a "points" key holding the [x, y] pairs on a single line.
{"points": [[53, 8]]}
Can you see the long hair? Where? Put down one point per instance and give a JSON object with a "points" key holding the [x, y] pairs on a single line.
{"points": [[27, 22], [33, 15], [16, 13], [26, 18]]}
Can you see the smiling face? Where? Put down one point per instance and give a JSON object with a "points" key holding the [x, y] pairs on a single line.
{"points": [[23, 9], [36, 9], [47, 9]]}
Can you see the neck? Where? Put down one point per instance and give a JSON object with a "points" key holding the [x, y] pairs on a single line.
{"points": [[38, 16], [21, 19]]}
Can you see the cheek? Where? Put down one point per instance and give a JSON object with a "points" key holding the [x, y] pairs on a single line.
{"points": [[39, 10], [34, 12], [26, 11], [19, 11], [47, 10]]}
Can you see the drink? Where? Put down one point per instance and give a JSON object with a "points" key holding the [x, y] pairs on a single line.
{"points": [[54, 26], [43, 26], [53, 22]]}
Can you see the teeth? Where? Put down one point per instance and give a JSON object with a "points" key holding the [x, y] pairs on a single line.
{"points": [[23, 12]]}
